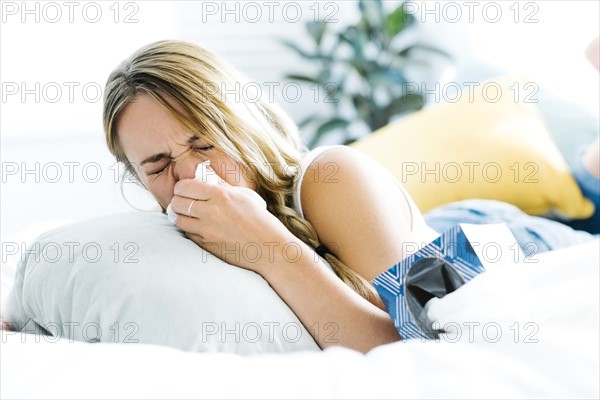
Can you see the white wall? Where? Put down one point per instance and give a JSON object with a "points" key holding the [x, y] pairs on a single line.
{"points": [[81, 52], [45, 131]]}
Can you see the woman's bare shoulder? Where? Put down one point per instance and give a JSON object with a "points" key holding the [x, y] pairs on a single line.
{"points": [[340, 171], [357, 209]]}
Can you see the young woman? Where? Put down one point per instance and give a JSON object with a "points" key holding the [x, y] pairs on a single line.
{"points": [[167, 109]]}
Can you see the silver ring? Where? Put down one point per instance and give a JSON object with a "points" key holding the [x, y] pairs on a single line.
{"points": [[190, 207]]}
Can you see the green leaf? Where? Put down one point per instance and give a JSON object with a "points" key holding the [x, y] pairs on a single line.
{"points": [[335, 123], [365, 68], [372, 16], [349, 141], [401, 105], [331, 89], [361, 102], [335, 92], [397, 21], [365, 106], [388, 77], [317, 30], [357, 39], [358, 68], [326, 127], [325, 75], [406, 52], [372, 10], [303, 78]]}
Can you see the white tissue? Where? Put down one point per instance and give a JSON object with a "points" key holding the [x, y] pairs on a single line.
{"points": [[171, 216], [203, 174]]}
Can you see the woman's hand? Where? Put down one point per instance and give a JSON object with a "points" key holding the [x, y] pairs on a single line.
{"points": [[230, 222]]}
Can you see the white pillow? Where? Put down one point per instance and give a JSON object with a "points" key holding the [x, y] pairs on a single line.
{"points": [[135, 278]]}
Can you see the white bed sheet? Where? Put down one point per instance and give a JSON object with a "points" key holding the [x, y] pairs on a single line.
{"points": [[559, 294]]}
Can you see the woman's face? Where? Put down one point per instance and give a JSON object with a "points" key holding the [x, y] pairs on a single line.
{"points": [[163, 151]]}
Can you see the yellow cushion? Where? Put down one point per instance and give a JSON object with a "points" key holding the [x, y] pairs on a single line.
{"points": [[477, 148]]}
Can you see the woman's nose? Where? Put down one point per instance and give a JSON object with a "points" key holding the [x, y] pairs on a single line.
{"points": [[184, 165]]}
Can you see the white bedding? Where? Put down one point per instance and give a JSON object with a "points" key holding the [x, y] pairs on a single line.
{"points": [[558, 297]]}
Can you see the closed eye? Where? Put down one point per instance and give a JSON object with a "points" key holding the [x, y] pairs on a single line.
{"points": [[157, 172], [204, 148], [193, 141]]}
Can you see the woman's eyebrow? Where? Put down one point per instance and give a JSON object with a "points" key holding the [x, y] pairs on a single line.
{"points": [[159, 156], [156, 157]]}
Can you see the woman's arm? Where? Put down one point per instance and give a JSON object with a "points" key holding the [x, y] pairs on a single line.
{"points": [[357, 209], [332, 312]]}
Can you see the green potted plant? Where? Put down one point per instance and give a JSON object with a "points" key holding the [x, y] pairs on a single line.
{"points": [[361, 70]]}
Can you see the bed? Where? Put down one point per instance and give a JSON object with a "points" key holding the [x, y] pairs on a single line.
{"points": [[520, 331], [527, 330]]}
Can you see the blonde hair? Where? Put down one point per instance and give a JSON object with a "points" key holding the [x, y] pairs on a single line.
{"points": [[256, 134]]}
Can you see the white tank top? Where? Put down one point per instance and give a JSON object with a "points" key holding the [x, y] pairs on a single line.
{"points": [[418, 225]]}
